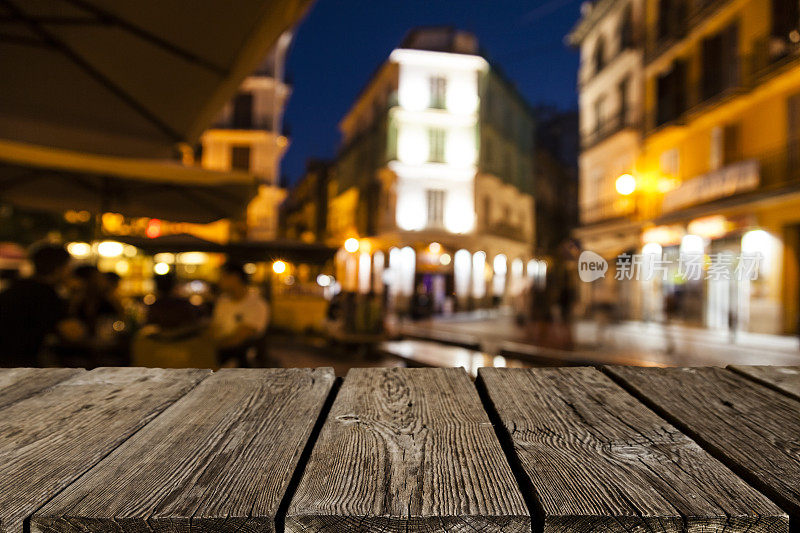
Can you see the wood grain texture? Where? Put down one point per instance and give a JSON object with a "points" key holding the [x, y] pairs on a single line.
{"points": [[19, 383], [598, 460], [752, 429], [48, 440], [219, 459], [785, 379], [407, 449]]}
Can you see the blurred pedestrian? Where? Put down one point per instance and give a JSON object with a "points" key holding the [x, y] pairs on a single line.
{"points": [[240, 317], [170, 310], [175, 334], [91, 303], [31, 309]]}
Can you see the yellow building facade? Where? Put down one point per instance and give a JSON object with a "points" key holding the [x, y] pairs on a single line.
{"points": [[718, 165], [721, 150]]}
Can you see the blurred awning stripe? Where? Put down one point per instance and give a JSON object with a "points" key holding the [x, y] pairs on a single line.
{"points": [[294, 251], [128, 77], [51, 179]]}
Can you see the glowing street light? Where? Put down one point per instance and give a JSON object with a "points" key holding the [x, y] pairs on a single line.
{"points": [[626, 184], [161, 268], [79, 249], [110, 249], [279, 267], [351, 245]]}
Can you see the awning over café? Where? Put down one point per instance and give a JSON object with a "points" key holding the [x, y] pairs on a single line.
{"points": [[294, 251], [50, 179], [132, 78]]}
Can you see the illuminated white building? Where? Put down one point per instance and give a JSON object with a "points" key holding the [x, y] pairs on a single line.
{"points": [[435, 176], [248, 136]]}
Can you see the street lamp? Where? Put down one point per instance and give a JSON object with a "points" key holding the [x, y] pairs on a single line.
{"points": [[279, 267], [351, 245], [626, 184]]}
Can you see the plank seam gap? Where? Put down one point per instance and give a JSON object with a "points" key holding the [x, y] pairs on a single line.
{"points": [[26, 524], [713, 451], [529, 494], [762, 382], [305, 455]]}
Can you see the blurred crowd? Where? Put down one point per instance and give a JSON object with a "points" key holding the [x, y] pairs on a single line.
{"points": [[73, 315]]}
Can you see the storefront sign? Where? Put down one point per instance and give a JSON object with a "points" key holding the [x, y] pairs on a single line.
{"points": [[664, 235], [710, 227], [731, 179]]}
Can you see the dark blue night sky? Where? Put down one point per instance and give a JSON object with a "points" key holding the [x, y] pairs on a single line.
{"points": [[341, 43]]}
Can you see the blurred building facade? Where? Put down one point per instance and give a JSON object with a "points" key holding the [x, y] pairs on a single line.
{"points": [[611, 94], [249, 136], [555, 178], [714, 162], [304, 213], [433, 186]]}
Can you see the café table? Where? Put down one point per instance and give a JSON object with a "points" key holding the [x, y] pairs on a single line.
{"points": [[563, 449]]}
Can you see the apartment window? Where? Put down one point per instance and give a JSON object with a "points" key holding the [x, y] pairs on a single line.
{"points": [[240, 157], [599, 113], [793, 130], [725, 146], [720, 62], [438, 90], [671, 17], [599, 59], [731, 143], [670, 162], [626, 29], [435, 200], [436, 138], [785, 18], [715, 154], [671, 93], [243, 111], [624, 96]]}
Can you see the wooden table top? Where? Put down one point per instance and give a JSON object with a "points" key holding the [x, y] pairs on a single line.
{"points": [[579, 449]]}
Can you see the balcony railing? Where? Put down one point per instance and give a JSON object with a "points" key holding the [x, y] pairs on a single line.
{"points": [[506, 230], [769, 57], [607, 209], [610, 126], [661, 39]]}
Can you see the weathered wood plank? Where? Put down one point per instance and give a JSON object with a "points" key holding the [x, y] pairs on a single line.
{"points": [[219, 459], [19, 383], [785, 379], [750, 428], [598, 460], [407, 449], [48, 440]]}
